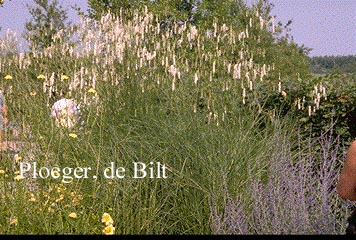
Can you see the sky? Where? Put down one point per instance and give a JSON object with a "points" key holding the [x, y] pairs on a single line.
{"points": [[326, 26]]}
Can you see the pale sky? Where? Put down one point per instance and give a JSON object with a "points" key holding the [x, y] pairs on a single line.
{"points": [[327, 26]]}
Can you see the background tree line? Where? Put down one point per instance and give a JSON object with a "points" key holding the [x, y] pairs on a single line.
{"points": [[330, 64]]}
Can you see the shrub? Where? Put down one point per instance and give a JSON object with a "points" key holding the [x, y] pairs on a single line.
{"points": [[297, 197]]}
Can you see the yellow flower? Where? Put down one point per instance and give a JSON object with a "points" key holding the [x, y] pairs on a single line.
{"points": [[73, 135], [91, 90], [2, 171], [18, 178], [56, 173], [41, 77], [32, 199], [109, 230], [73, 215], [8, 77], [14, 221], [17, 158], [33, 93], [77, 199], [64, 77], [17, 172], [61, 188], [106, 218], [60, 198]]}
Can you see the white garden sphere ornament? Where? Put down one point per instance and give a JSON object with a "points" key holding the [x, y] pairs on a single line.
{"points": [[66, 113]]}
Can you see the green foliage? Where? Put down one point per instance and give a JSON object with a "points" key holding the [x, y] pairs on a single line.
{"points": [[173, 10], [195, 11], [48, 17], [228, 12], [100, 8], [201, 99], [142, 111], [334, 112], [338, 110], [289, 58], [330, 64]]}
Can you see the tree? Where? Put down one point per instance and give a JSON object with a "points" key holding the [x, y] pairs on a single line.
{"points": [[177, 10], [167, 9], [289, 58], [330, 64], [99, 8], [47, 19], [227, 11]]}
